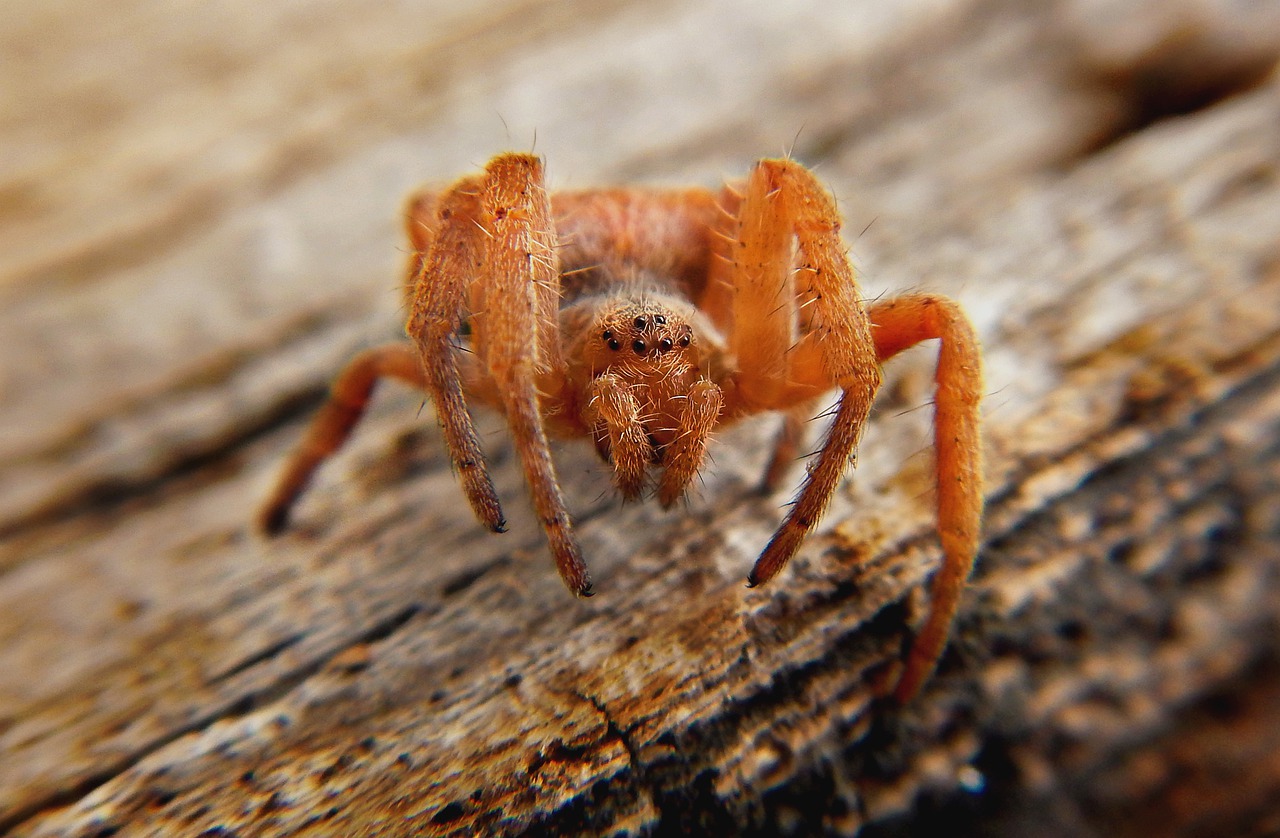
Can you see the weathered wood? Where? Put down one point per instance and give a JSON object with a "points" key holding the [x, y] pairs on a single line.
{"points": [[199, 227]]}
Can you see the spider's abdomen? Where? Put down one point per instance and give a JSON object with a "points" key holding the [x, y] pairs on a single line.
{"points": [[643, 239]]}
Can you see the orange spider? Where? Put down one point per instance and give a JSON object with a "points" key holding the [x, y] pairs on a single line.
{"points": [[643, 319]]}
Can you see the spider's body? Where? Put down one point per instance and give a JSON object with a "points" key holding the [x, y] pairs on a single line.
{"points": [[642, 320], [633, 266]]}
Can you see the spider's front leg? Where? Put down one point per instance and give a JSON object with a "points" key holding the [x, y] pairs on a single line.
{"points": [[452, 254], [446, 239], [780, 368], [845, 343], [515, 302]]}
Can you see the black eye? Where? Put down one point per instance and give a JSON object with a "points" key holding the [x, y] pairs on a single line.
{"points": [[684, 341], [639, 347], [607, 334], [614, 345], [661, 320], [641, 322], [664, 344]]}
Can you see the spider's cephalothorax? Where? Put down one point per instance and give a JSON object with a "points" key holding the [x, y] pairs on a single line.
{"points": [[644, 319]]}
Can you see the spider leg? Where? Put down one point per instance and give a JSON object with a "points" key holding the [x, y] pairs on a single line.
{"points": [[446, 266], [519, 335], [786, 446], [421, 227], [763, 291], [901, 323], [784, 199], [682, 457], [613, 409], [348, 397]]}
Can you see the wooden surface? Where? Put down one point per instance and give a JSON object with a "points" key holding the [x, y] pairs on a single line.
{"points": [[199, 224]]}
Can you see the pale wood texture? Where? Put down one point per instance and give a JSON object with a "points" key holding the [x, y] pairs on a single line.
{"points": [[199, 226]]}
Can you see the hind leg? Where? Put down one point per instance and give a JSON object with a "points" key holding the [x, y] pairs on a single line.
{"points": [[331, 426], [901, 323]]}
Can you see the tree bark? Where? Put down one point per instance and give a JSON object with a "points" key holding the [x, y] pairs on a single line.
{"points": [[200, 227]]}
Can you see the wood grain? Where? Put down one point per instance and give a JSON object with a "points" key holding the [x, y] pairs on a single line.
{"points": [[200, 225]]}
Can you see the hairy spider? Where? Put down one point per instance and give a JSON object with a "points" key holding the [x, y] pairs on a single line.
{"points": [[643, 319]]}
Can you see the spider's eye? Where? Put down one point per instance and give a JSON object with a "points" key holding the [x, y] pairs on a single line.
{"points": [[607, 334], [614, 345], [640, 322], [684, 341], [639, 347], [661, 320], [664, 344]]}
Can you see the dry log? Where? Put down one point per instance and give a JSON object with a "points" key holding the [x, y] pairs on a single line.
{"points": [[199, 226]]}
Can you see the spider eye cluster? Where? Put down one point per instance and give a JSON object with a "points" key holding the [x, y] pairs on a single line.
{"points": [[648, 333]]}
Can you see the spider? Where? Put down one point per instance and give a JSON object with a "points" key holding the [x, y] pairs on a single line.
{"points": [[643, 319]]}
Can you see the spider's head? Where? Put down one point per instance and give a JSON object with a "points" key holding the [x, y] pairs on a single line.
{"points": [[645, 366], [657, 347], [643, 339]]}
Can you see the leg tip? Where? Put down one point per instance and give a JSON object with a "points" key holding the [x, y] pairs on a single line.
{"points": [[273, 520]]}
